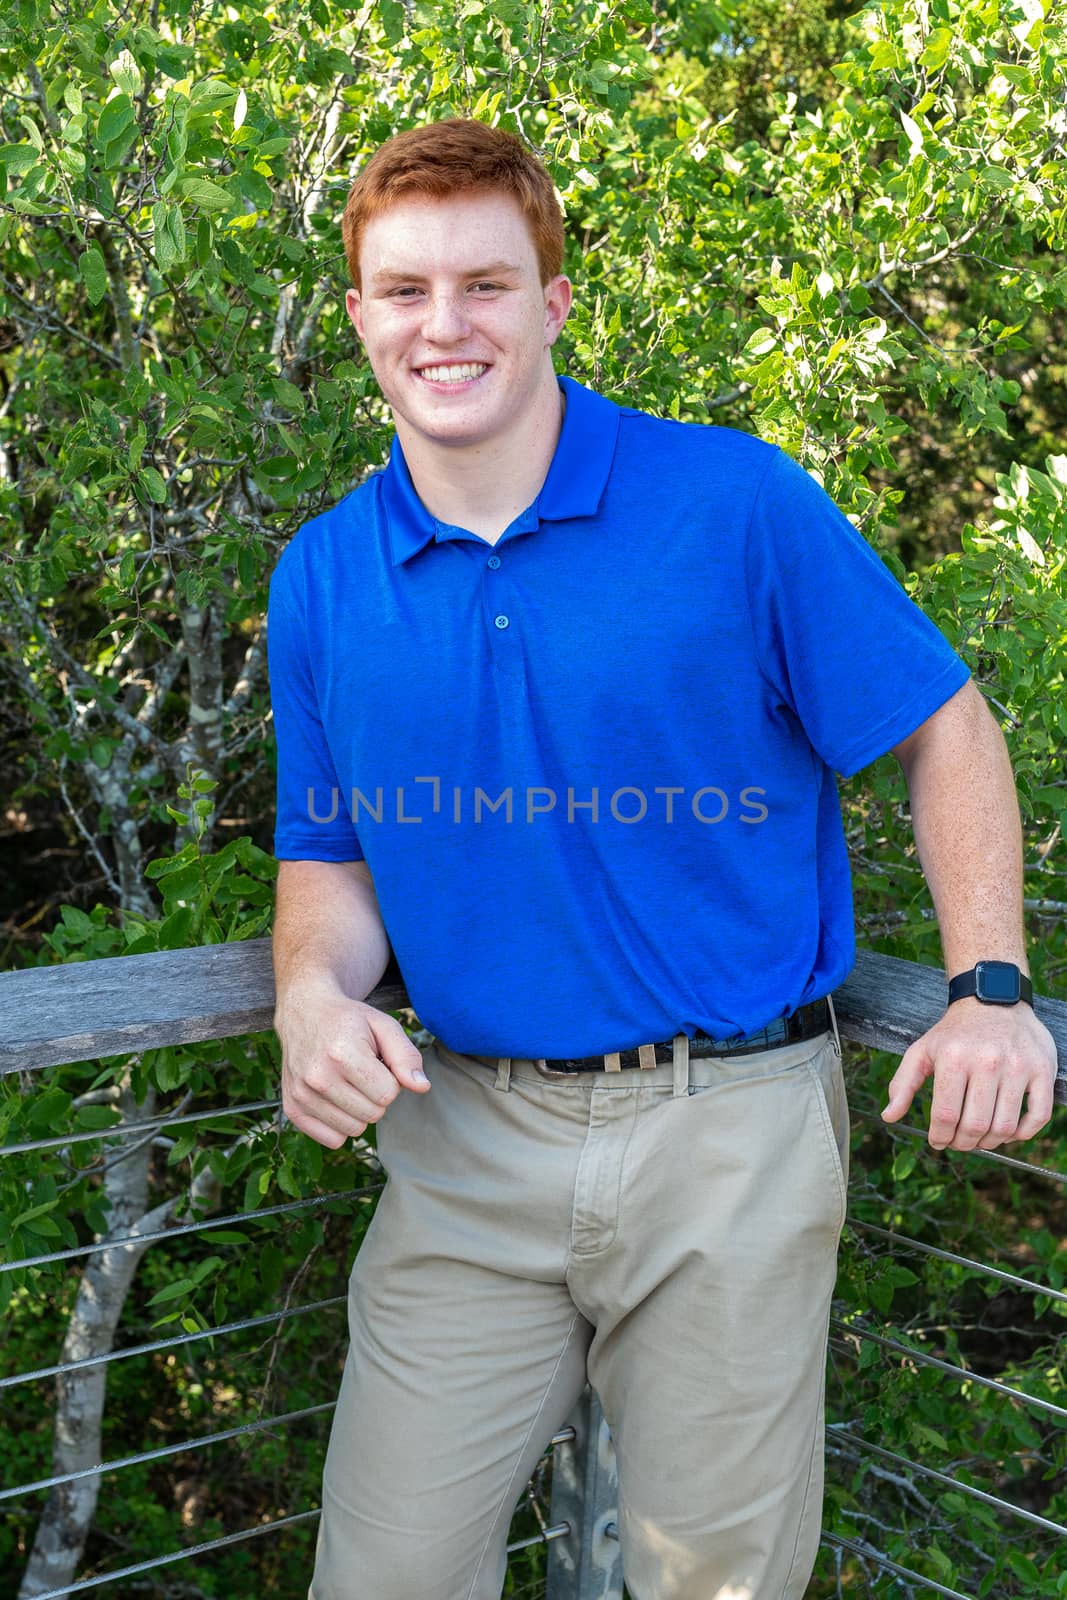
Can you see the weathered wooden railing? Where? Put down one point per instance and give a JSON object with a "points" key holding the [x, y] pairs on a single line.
{"points": [[50, 1016]]}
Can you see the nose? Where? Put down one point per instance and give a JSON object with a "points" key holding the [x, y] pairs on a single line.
{"points": [[446, 318]]}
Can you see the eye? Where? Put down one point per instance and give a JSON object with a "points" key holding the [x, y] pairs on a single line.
{"points": [[403, 292], [491, 286]]}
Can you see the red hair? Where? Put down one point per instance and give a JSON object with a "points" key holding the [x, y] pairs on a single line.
{"points": [[454, 157]]}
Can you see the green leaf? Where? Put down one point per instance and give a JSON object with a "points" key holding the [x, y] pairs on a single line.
{"points": [[93, 273], [211, 94], [176, 930], [904, 1163], [937, 49], [87, 1117], [914, 133], [116, 119], [168, 230], [246, 567], [391, 18], [126, 72], [33, 133], [25, 1217], [18, 158], [760, 342], [151, 480], [278, 467], [169, 1069], [47, 1110], [995, 179], [1022, 1566], [77, 921], [940, 1560], [173, 1291], [288, 394], [209, 196]]}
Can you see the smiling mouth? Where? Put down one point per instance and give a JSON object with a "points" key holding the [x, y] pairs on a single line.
{"points": [[457, 372]]}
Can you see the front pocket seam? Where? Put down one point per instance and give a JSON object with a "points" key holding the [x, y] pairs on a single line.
{"points": [[826, 1123]]}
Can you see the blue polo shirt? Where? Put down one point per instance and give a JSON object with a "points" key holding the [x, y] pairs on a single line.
{"points": [[591, 767]]}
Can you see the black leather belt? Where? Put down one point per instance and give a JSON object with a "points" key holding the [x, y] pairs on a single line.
{"points": [[806, 1023]]}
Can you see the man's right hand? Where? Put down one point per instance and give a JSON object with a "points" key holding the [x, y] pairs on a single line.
{"points": [[343, 1064]]}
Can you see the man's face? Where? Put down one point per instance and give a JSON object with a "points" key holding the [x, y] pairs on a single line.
{"points": [[453, 315]]}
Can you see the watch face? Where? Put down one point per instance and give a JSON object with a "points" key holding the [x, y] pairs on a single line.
{"points": [[997, 981]]}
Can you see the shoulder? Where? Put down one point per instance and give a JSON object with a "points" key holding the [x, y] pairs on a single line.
{"points": [[701, 444], [310, 552], [723, 467]]}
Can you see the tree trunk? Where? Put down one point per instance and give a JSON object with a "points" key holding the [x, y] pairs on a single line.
{"points": [[68, 1514]]}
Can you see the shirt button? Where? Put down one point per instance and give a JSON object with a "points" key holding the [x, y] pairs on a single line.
{"points": [[494, 562], [501, 622]]}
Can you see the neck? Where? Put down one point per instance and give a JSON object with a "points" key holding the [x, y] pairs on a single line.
{"points": [[483, 487]]}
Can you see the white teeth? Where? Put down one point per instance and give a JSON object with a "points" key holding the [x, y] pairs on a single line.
{"points": [[469, 369]]}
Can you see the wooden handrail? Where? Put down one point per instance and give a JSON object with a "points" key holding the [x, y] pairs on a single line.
{"points": [[82, 1010]]}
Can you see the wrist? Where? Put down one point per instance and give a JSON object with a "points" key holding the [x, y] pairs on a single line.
{"points": [[299, 991], [991, 983]]}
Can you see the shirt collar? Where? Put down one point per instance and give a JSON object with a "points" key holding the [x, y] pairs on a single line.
{"points": [[574, 486]]}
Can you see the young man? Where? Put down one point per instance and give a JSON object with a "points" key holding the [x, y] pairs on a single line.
{"points": [[559, 697]]}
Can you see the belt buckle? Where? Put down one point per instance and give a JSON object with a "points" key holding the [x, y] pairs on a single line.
{"points": [[545, 1071]]}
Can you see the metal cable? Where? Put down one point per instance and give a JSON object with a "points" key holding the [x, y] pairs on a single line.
{"points": [[953, 1483], [925, 1360], [187, 1445], [558, 1530], [179, 1555], [188, 1227], [563, 1436], [863, 1104], [928, 1584], [119, 1130], [170, 1344], [1000, 1159], [960, 1261]]}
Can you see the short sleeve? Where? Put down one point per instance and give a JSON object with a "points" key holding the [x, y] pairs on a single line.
{"points": [[837, 638], [313, 823]]}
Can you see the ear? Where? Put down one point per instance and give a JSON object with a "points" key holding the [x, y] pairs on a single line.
{"points": [[558, 296], [354, 307]]}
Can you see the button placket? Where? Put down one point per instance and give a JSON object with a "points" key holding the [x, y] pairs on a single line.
{"points": [[501, 617]]}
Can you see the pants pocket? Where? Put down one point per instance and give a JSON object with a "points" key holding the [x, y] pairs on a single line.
{"points": [[828, 1086]]}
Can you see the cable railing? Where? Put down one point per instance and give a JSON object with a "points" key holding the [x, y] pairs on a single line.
{"points": [[859, 1331], [60, 1015], [157, 1346], [178, 1230]]}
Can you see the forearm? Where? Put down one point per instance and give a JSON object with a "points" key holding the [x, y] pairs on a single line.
{"points": [[965, 816], [328, 931], [343, 1062]]}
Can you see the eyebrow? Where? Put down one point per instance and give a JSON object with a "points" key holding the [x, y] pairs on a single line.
{"points": [[495, 269]]}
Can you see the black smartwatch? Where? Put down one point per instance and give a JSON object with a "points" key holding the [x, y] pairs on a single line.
{"points": [[995, 983]]}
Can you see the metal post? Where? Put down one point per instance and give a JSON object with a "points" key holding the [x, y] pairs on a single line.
{"points": [[587, 1563]]}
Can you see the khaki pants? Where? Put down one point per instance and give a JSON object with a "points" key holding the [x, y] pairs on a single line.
{"points": [[672, 1235]]}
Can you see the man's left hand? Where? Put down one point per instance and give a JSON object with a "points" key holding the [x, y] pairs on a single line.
{"points": [[984, 1061]]}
